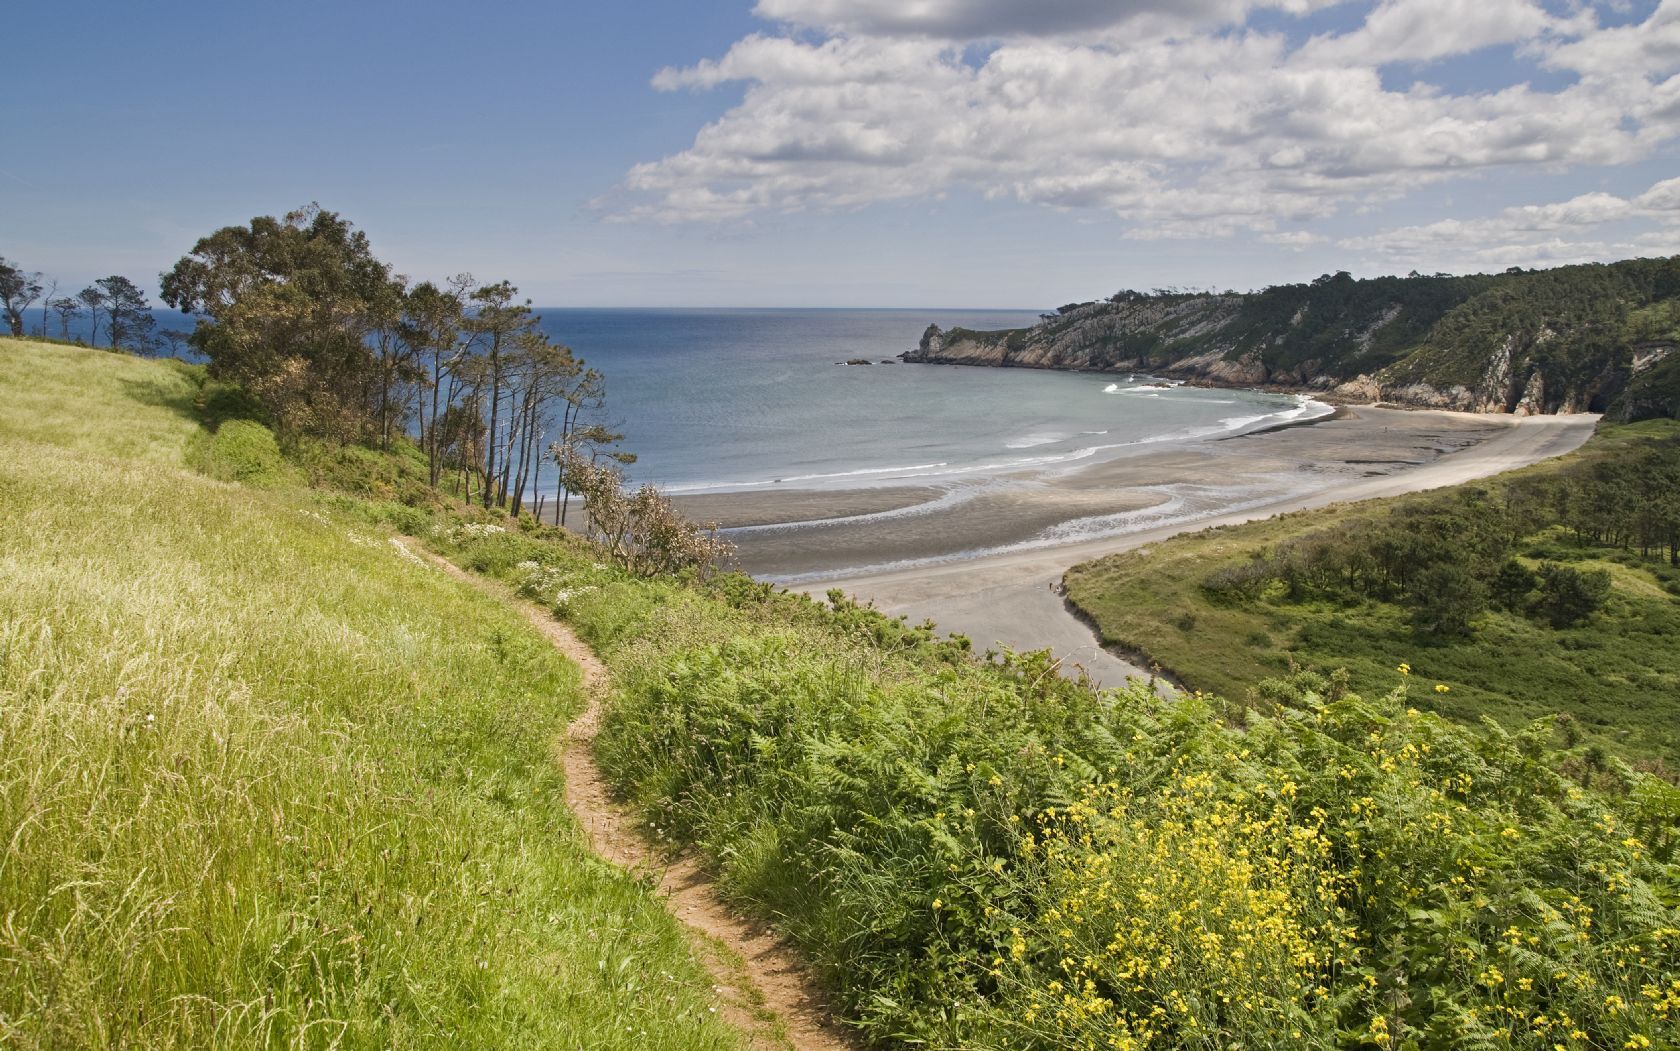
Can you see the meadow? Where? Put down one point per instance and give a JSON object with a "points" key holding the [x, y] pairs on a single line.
{"points": [[265, 781]]}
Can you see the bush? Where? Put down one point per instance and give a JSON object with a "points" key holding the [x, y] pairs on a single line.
{"points": [[1569, 595], [1512, 586], [1444, 599], [239, 451]]}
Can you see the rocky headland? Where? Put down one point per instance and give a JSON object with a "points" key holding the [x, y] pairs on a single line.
{"points": [[1591, 338]]}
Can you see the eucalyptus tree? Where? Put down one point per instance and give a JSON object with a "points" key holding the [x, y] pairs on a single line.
{"points": [[68, 308], [128, 316], [497, 321], [174, 339], [18, 290], [93, 298], [50, 291], [285, 308], [397, 364], [544, 373], [432, 329]]}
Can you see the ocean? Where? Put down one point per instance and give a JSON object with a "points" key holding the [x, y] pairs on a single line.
{"points": [[722, 400], [725, 400]]}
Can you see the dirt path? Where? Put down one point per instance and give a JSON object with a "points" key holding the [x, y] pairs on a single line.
{"points": [[762, 986]]}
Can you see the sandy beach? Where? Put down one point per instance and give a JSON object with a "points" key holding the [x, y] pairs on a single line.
{"points": [[984, 558]]}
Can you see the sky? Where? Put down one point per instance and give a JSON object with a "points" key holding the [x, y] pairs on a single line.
{"points": [[897, 153]]}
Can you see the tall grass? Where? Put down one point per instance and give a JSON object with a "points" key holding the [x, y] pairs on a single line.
{"points": [[267, 781]]}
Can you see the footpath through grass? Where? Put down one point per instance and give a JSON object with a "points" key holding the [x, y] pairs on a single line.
{"points": [[267, 781], [975, 855], [989, 856]]}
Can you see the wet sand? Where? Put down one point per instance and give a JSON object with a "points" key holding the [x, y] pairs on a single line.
{"points": [[985, 559]]}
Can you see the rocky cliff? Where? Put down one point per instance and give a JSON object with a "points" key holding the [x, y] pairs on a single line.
{"points": [[1593, 338]]}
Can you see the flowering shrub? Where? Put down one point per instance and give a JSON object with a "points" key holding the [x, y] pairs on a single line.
{"points": [[983, 854], [987, 856]]}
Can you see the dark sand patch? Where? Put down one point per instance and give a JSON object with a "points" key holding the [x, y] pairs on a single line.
{"points": [[773, 506]]}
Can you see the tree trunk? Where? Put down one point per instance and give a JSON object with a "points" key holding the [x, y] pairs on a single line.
{"points": [[495, 418]]}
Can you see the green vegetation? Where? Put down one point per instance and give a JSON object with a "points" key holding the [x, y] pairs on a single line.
{"points": [[239, 451], [1549, 590], [128, 318], [267, 781], [975, 853], [984, 854], [1570, 339], [333, 347], [987, 855]]}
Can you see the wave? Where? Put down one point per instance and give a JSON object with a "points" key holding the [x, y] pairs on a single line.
{"points": [[1070, 459], [944, 502], [1112, 388], [701, 487], [1037, 438]]}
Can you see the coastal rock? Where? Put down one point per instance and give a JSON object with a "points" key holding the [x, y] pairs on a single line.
{"points": [[1359, 389], [1247, 370], [1533, 400], [1648, 355], [1497, 376]]}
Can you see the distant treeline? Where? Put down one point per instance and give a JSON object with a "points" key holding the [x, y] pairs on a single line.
{"points": [[1450, 558], [114, 305]]}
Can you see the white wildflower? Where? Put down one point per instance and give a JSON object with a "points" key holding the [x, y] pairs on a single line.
{"points": [[404, 550]]}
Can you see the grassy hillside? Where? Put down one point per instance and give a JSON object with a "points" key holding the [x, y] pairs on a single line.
{"points": [[1615, 673], [976, 854], [264, 781]]}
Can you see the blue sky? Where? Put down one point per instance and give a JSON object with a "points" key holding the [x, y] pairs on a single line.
{"points": [[976, 153]]}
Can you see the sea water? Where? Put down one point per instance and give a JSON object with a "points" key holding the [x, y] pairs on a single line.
{"points": [[718, 400]]}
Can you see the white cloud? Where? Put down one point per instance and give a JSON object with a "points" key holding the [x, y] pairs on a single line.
{"points": [[1203, 134], [1564, 231], [1420, 30], [966, 20]]}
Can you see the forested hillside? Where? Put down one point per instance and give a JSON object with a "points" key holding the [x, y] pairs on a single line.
{"points": [[1590, 338]]}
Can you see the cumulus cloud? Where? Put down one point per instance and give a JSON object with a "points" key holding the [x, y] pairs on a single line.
{"points": [[1421, 30], [1559, 232], [1205, 132]]}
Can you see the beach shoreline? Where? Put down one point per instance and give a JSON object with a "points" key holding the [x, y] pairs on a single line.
{"points": [[986, 561]]}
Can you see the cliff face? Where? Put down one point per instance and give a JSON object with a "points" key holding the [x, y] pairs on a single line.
{"points": [[1596, 338]]}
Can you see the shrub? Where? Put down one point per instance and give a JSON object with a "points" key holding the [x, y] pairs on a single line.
{"points": [[239, 451], [1444, 599], [1569, 595], [1512, 586]]}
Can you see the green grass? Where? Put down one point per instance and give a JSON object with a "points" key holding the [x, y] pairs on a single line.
{"points": [[1617, 675], [265, 781], [986, 855], [342, 820]]}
